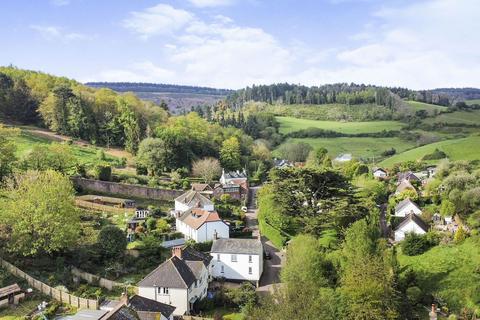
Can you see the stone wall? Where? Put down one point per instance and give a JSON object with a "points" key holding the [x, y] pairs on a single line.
{"points": [[126, 190]]}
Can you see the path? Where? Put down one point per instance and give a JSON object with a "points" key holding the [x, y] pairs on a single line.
{"points": [[383, 221], [272, 267]]}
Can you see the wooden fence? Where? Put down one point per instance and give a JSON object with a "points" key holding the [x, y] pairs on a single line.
{"points": [[102, 282], [56, 294]]}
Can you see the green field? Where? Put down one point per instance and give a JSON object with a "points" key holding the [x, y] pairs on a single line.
{"points": [[473, 101], [358, 147], [26, 141], [468, 117], [289, 124], [431, 108], [456, 149], [449, 272]]}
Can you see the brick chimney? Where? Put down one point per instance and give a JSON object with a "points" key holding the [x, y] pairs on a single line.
{"points": [[177, 251], [433, 313]]}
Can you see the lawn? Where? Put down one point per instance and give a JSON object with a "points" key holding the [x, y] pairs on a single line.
{"points": [[449, 272], [430, 108], [26, 141], [456, 149], [289, 124], [358, 147], [19, 312], [467, 117], [226, 313]]}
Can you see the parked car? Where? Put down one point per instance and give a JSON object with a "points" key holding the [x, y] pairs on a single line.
{"points": [[244, 209]]}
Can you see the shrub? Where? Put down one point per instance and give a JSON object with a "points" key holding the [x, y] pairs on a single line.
{"points": [[101, 155], [389, 152], [435, 155], [112, 241], [151, 224], [103, 172], [414, 295], [415, 244]]}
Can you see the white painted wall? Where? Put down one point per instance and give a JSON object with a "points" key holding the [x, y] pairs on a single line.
{"points": [[176, 297], [205, 233], [409, 227], [407, 209], [182, 207], [236, 270], [379, 174]]}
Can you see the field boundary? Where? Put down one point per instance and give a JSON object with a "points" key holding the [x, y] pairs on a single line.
{"points": [[59, 295], [102, 282]]}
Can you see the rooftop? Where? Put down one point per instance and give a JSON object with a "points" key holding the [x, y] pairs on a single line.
{"points": [[173, 273], [237, 246], [416, 219], [404, 203], [139, 303], [196, 217], [193, 199]]}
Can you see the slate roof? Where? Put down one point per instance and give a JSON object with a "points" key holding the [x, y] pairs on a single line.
{"points": [[201, 187], [138, 303], [173, 273], [234, 175], [196, 267], [407, 176], [237, 246], [402, 204], [190, 254], [416, 219], [194, 199], [196, 217]]}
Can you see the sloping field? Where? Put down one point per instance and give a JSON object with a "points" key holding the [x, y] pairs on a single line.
{"points": [[290, 124], [431, 108], [467, 117], [473, 101], [456, 149], [358, 147]]}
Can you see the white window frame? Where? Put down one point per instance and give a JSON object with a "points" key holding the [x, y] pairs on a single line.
{"points": [[250, 270], [233, 258], [250, 259]]}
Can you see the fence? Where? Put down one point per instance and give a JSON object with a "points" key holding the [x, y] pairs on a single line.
{"points": [[56, 294], [102, 282], [128, 190]]}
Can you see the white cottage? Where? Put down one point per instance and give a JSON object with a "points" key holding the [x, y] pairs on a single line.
{"points": [[411, 224], [379, 173], [237, 259], [202, 225], [192, 199], [405, 207], [180, 281]]}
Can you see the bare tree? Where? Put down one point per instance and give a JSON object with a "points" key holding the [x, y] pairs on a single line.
{"points": [[207, 169]]}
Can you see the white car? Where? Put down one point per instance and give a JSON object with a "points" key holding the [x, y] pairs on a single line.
{"points": [[244, 209]]}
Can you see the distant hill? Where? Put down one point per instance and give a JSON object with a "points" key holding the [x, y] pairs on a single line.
{"points": [[178, 98], [460, 93]]}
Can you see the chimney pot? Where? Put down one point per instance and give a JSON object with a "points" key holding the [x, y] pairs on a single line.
{"points": [[177, 251]]}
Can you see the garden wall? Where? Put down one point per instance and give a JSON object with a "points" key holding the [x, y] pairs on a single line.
{"points": [[127, 190], [102, 282], [56, 294]]}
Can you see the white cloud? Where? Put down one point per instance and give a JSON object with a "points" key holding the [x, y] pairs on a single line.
{"points": [[421, 45], [211, 3], [53, 33], [161, 19]]}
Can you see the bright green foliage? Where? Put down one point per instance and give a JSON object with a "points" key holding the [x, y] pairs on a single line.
{"points": [[103, 172], [7, 152], [415, 244], [230, 155], [154, 155], [294, 151], [447, 208], [55, 156], [318, 158], [41, 213]]}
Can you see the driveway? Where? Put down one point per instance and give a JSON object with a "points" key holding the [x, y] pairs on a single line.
{"points": [[272, 267]]}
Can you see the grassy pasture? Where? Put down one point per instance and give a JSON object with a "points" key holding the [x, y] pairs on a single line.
{"points": [[467, 117], [358, 147], [449, 272], [430, 108], [26, 141], [290, 124], [456, 149], [473, 101]]}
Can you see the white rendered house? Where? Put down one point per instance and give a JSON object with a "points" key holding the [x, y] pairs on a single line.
{"points": [[202, 225], [411, 224], [192, 199], [237, 259], [180, 281], [380, 173], [405, 207]]}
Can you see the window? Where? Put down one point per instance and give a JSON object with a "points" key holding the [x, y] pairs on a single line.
{"points": [[250, 259], [221, 269], [218, 257], [162, 290], [196, 283], [249, 270], [234, 257]]}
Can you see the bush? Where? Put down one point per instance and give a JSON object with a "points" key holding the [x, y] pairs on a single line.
{"points": [[414, 295], [415, 244], [389, 152], [112, 241], [435, 155], [101, 155], [103, 172]]}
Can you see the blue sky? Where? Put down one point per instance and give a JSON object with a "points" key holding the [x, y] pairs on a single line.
{"points": [[234, 43]]}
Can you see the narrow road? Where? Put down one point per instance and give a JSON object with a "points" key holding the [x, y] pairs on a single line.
{"points": [[273, 266], [383, 221]]}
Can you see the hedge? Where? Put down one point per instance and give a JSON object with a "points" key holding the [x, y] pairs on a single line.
{"points": [[272, 233]]}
